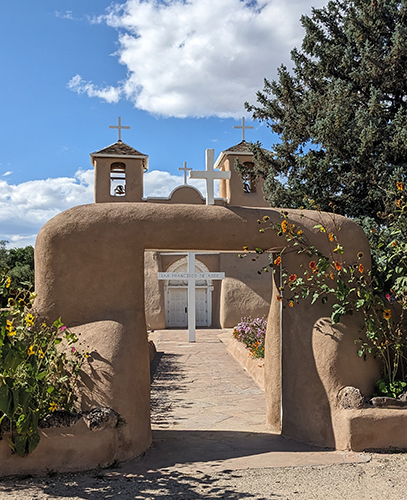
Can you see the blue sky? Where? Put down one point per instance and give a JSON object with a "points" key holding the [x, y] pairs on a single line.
{"points": [[177, 73]]}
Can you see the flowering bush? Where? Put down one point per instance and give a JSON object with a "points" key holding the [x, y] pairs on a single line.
{"points": [[252, 332], [380, 296], [36, 377]]}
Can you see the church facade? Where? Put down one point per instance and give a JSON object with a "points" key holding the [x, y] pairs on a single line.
{"points": [[119, 170]]}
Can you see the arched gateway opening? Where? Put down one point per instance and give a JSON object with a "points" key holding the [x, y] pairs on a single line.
{"points": [[176, 297], [90, 270]]}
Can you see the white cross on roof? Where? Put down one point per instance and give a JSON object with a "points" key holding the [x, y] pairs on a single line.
{"points": [[119, 127], [185, 170], [243, 127], [209, 175]]}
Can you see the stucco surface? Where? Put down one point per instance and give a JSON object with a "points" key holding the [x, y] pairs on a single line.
{"points": [[90, 270]]}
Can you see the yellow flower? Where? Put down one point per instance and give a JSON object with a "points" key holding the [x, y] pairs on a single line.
{"points": [[31, 350], [41, 353], [400, 186], [53, 406], [284, 226], [299, 232], [44, 325], [291, 303], [331, 237], [8, 282], [29, 319], [86, 354], [387, 314], [245, 249], [10, 329]]}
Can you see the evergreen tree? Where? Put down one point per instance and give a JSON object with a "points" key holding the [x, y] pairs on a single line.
{"points": [[341, 113]]}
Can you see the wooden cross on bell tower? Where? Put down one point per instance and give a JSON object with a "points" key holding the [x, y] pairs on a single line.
{"points": [[119, 127], [243, 127]]}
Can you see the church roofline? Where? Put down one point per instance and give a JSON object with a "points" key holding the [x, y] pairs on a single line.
{"points": [[118, 148]]}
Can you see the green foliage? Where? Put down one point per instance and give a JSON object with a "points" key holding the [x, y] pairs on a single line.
{"points": [[18, 264], [390, 389], [341, 113], [39, 367], [351, 288]]}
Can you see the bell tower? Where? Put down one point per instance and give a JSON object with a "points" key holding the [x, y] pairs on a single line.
{"points": [[240, 190], [119, 170]]}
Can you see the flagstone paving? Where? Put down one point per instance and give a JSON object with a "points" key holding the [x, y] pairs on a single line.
{"points": [[207, 413]]}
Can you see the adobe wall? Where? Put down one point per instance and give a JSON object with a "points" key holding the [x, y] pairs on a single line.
{"points": [[90, 270]]}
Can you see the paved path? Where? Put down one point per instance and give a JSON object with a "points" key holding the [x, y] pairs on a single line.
{"points": [[208, 414]]}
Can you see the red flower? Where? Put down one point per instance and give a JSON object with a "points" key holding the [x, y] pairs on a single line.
{"points": [[292, 277], [338, 266]]}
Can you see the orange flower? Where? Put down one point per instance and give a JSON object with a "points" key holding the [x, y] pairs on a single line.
{"points": [[387, 314], [394, 244], [331, 237], [299, 232], [278, 297], [292, 277], [245, 249], [400, 186], [398, 203], [361, 268], [284, 226], [313, 265], [291, 303], [331, 275], [277, 262], [338, 265], [308, 276]]}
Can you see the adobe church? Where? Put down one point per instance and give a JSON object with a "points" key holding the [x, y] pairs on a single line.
{"points": [[119, 170]]}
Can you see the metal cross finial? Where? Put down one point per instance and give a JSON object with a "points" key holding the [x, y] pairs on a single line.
{"points": [[243, 127], [185, 170], [119, 127]]}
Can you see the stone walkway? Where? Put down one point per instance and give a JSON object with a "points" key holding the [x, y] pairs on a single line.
{"points": [[208, 414]]}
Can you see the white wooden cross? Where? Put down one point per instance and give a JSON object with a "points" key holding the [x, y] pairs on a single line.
{"points": [[243, 127], [119, 127], [185, 170], [209, 175], [191, 276]]}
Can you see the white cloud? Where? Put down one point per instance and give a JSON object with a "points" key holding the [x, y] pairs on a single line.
{"points": [[26, 207], [161, 184], [199, 57], [109, 94], [66, 15], [9, 172]]}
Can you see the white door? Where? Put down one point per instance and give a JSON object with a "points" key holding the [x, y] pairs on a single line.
{"points": [[177, 307]]}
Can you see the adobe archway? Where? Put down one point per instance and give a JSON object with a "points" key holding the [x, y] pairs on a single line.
{"points": [[89, 270]]}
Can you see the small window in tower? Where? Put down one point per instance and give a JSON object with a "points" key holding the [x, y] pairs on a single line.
{"points": [[117, 179], [249, 179]]}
